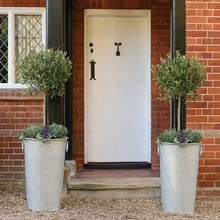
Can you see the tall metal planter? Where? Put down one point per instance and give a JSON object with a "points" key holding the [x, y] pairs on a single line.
{"points": [[178, 174], [44, 170]]}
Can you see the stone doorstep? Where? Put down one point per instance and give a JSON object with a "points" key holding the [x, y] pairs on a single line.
{"points": [[113, 183], [109, 188], [114, 188]]}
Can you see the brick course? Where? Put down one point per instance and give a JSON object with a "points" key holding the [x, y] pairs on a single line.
{"points": [[23, 3]]}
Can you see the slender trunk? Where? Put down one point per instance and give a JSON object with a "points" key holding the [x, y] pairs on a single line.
{"points": [[45, 110], [178, 113]]}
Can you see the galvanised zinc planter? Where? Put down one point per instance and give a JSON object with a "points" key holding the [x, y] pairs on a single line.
{"points": [[44, 170], [178, 176]]}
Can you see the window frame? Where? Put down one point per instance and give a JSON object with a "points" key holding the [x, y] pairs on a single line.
{"points": [[12, 12]]}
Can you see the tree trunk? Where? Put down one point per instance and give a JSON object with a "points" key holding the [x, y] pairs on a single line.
{"points": [[179, 113]]}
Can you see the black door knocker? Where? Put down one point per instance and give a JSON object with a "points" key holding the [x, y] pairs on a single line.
{"points": [[118, 45]]}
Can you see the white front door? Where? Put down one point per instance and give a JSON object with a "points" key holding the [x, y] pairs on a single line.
{"points": [[117, 86]]}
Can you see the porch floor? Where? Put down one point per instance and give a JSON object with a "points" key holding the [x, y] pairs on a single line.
{"points": [[117, 173]]}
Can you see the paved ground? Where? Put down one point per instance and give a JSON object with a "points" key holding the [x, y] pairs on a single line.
{"points": [[13, 206]]}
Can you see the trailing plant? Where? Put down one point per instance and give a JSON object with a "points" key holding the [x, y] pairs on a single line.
{"points": [[180, 137], [53, 131]]}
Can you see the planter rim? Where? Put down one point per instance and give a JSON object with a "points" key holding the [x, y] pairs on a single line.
{"points": [[46, 140], [184, 144], [170, 145]]}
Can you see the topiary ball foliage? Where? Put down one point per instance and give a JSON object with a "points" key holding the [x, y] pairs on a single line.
{"points": [[45, 71], [179, 77]]}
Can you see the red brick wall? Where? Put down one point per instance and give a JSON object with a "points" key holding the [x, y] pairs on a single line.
{"points": [[17, 110], [160, 45], [203, 40], [160, 12]]}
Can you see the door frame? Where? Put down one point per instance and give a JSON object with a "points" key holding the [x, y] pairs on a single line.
{"points": [[109, 13]]}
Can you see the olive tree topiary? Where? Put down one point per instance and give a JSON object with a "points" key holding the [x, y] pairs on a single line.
{"points": [[179, 78], [45, 71]]}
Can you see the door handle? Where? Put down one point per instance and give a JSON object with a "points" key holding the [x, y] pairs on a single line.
{"points": [[92, 62]]}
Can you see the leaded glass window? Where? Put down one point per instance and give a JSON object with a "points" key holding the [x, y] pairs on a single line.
{"points": [[3, 48], [28, 34], [21, 29]]}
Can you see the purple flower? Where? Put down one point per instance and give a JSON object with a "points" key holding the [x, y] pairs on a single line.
{"points": [[45, 132], [182, 137]]}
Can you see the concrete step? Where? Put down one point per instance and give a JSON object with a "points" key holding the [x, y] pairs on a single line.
{"points": [[113, 188]]}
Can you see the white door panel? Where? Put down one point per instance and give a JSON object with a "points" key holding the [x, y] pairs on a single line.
{"points": [[117, 103]]}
